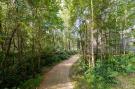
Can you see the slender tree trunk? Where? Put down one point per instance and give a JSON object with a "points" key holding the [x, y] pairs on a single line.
{"points": [[125, 43], [97, 46], [92, 35], [9, 44]]}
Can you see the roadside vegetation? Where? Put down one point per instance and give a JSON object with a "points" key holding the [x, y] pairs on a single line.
{"points": [[106, 34], [48, 61], [28, 75], [117, 72]]}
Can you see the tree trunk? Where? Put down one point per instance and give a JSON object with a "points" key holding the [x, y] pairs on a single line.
{"points": [[92, 35], [9, 44]]}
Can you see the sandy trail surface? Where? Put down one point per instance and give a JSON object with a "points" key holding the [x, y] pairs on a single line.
{"points": [[58, 77]]}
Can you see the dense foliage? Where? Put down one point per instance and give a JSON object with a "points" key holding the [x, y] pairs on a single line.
{"points": [[104, 27], [32, 35], [27, 68], [104, 74]]}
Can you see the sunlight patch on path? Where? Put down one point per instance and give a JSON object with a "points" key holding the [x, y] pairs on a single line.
{"points": [[67, 85]]}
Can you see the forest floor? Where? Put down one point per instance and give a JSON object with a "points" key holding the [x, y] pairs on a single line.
{"points": [[58, 76], [126, 82]]}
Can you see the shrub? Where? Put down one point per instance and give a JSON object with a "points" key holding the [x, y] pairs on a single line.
{"points": [[31, 83], [17, 71], [104, 74]]}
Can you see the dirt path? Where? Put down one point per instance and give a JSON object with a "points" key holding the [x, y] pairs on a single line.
{"points": [[58, 77]]}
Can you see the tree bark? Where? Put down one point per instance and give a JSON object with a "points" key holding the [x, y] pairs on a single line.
{"points": [[92, 35]]}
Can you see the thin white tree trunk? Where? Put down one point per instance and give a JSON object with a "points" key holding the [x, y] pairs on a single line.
{"points": [[92, 35]]}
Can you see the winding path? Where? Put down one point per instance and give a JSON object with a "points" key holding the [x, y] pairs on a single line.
{"points": [[58, 77]]}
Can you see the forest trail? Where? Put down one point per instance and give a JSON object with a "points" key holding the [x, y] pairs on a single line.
{"points": [[58, 77]]}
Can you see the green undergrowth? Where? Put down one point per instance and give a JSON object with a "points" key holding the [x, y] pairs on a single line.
{"points": [[125, 82], [25, 73], [31, 83], [49, 60], [106, 73], [53, 58]]}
